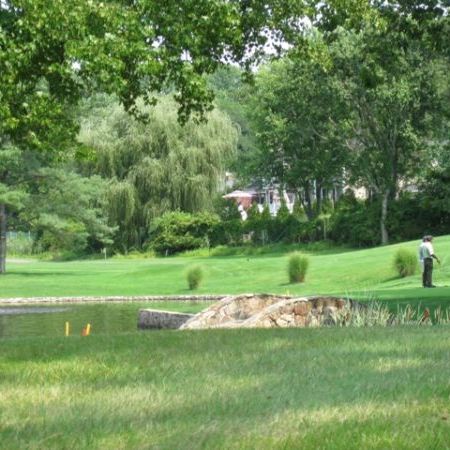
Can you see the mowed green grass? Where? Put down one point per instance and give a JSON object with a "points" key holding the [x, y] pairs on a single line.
{"points": [[361, 274], [330, 388]]}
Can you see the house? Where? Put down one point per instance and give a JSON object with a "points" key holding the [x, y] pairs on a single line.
{"points": [[269, 195]]}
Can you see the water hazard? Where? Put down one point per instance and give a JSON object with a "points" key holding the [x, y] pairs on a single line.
{"points": [[104, 318]]}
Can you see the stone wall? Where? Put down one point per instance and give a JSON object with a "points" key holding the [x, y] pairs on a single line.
{"points": [[157, 319], [267, 311], [110, 299]]}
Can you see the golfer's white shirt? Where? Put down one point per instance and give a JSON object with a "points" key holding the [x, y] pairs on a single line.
{"points": [[425, 251]]}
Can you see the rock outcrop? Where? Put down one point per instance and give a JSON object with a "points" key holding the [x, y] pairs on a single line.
{"points": [[267, 311]]}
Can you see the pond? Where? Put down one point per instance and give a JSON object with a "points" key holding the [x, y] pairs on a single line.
{"points": [[105, 318]]}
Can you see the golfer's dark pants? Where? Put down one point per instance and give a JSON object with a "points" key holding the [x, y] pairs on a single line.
{"points": [[427, 275]]}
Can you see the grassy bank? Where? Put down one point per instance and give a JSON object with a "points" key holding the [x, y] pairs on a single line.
{"points": [[361, 274], [261, 389]]}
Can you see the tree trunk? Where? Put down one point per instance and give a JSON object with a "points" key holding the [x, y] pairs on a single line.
{"points": [[2, 238], [318, 198], [307, 201], [384, 209]]}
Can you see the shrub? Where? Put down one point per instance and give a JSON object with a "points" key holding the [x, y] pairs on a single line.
{"points": [[356, 223], [194, 276], [226, 209], [405, 262], [285, 227], [297, 267], [177, 231], [227, 232], [258, 224]]}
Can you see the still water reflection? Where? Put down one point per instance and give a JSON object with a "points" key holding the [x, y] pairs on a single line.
{"points": [[105, 318]]}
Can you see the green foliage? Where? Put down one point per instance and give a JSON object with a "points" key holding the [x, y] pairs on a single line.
{"points": [[299, 135], [283, 212], [435, 200], [285, 228], [157, 166], [194, 276], [63, 210], [67, 212], [405, 262], [374, 100], [292, 228], [177, 231], [233, 96], [391, 85], [297, 267], [356, 223], [230, 228], [409, 218], [376, 314], [258, 224], [228, 232], [226, 209], [12, 192], [373, 103], [131, 49], [20, 244], [54, 53]]}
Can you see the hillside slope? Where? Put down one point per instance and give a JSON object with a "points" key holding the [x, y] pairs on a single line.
{"points": [[361, 274]]}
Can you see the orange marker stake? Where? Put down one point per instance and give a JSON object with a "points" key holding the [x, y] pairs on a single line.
{"points": [[85, 331]]}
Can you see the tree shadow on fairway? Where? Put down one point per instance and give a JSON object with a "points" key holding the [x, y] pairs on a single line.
{"points": [[393, 278], [227, 387], [427, 298], [46, 274], [306, 380], [288, 284]]}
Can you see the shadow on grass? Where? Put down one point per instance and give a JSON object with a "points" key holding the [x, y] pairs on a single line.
{"points": [[254, 384], [393, 278], [274, 250], [40, 274]]}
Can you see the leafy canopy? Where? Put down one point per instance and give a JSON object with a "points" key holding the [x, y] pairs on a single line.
{"points": [[54, 51]]}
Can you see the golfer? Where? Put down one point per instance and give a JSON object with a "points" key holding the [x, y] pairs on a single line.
{"points": [[426, 256]]}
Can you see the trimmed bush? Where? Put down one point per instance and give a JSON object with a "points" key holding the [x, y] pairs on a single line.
{"points": [[405, 262], [297, 267], [177, 231], [194, 276]]}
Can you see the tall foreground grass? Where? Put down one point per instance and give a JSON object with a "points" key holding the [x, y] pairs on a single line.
{"points": [[337, 388]]}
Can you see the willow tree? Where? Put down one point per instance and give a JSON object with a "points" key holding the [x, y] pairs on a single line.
{"points": [[157, 165]]}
